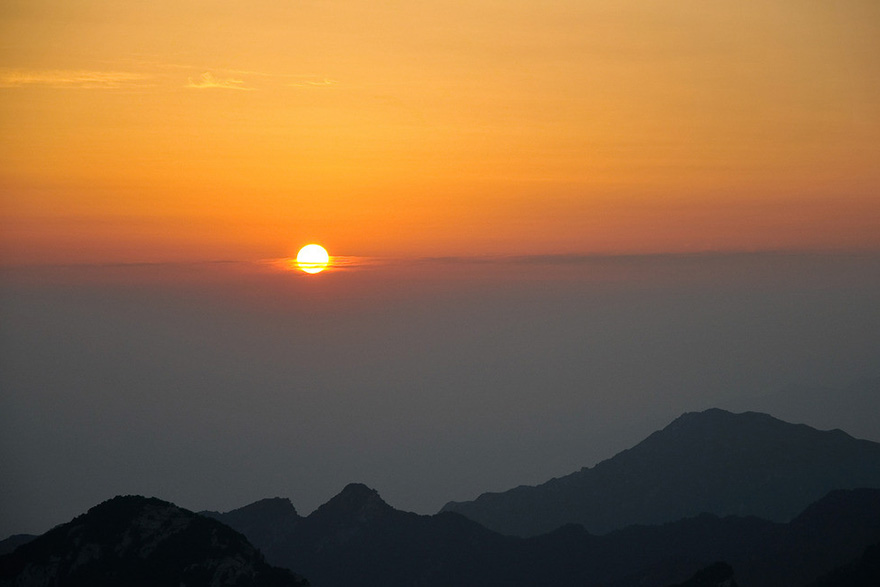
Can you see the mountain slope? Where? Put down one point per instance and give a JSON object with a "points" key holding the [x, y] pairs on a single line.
{"points": [[138, 541], [712, 461]]}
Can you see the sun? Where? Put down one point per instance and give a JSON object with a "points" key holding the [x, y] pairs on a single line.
{"points": [[312, 258]]}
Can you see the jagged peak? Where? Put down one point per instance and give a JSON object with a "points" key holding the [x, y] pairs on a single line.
{"points": [[357, 501], [358, 491]]}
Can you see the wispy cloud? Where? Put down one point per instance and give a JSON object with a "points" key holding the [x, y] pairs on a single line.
{"points": [[298, 80], [206, 76], [323, 83], [208, 80], [70, 78]]}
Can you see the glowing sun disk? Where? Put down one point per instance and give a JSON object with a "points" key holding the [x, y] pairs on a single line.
{"points": [[312, 258]]}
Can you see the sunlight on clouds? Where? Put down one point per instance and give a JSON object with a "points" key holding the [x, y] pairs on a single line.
{"points": [[209, 80], [60, 78]]}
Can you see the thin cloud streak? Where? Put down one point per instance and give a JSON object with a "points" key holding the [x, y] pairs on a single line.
{"points": [[324, 83], [227, 79], [71, 79]]}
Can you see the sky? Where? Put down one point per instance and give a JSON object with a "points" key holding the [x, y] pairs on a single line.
{"points": [[189, 130], [556, 226]]}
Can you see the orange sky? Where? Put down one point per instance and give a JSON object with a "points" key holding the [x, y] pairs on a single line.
{"points": [[184, 130]]}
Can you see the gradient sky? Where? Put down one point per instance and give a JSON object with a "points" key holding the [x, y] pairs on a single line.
{"points": [[559, 225], [185, 130]]}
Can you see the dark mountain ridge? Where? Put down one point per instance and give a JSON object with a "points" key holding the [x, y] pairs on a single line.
{"points": [[139, 542], [747, 464], [358, 539]]}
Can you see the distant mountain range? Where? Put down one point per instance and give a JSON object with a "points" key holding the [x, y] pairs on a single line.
{"points": [[747, 464], [141, 542], [358, 539]]}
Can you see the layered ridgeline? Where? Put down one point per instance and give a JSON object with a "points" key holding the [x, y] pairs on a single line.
{"points": [[139, 542], [358, 539], [746, 464]]}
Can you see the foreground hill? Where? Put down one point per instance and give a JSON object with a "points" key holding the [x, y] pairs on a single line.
{"points": [[746, 464], [358, 539], [137, 541]]}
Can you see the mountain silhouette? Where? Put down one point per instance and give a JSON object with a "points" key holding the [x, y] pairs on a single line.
{"points": [[358, 539], [667, 483], [355, 505], [747, 464], [139, 542]]}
